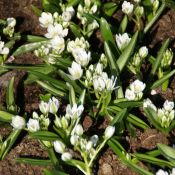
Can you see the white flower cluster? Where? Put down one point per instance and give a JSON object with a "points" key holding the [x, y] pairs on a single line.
{"points": [[138, 57], [89, 145], [122, 40], [60, 148], [79, 49], [3, 50], [162, 172], [135, 90], [90, 7], [165, 115], [57, 27], [10, 28], [72, 115]]}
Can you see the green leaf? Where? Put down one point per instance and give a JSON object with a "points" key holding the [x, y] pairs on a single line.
{"points": [[50, 5], [5, 116], [75, 29], [36, 10], [162, 80], [153, 160], [54, 172], [119, 117], [81, 99], [159, 57], [72, 98], [28, 48], [112, 60], [32, 161], [167, 151], [126, 54], [51, 89], [155, 17], [10, 101], [109, 8], [123, 25], [59, 84], [67, 78], [33, 38], [73, 2], [90, 18], [128, 104], [44, 135], [8, 143], [129, 163]]}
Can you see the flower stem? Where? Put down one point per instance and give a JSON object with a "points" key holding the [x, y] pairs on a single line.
{"points": [[96, 152]]}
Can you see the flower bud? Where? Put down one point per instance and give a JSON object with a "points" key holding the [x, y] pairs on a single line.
{"points": [[168, 105], [94, 140], [35, 115], [155, 5], [79, 130], [130, 95], [18, 122], [44, 107], [74, 140], [59, 146], [66, 156], [167, 59], [109, 132], [53, 105], [143, 52], [139, 11]]}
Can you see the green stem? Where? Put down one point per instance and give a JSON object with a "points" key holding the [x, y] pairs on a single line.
{"points": [[88, 169], [96, 152], [52, 156], [159, 12]]}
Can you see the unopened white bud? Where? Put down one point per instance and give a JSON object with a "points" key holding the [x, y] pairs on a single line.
{"points": [[79, 130], [59, 146], [33, 125], [109, 132], [143, 52], [66, 156]]}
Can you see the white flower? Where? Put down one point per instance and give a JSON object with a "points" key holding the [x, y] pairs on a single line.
{"points": [[74, 139], [74, 110], [143, 52], [81, 56], [93, 9], [148, 103], [53, 105], [127, 8], [58, 44], [130, 95], [46, 19], [79, 130], [3, 50], [137, 86], [75, 70], [109, 132], [122, 40], [153, 92], [173, 171], [33, 125], [99, 84], [59, 146], [161, 172], [11, 22], [66, 156], [68, 14], [110, 83], [56, 30], [18, 122], [44, 107], [168, 105]]}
